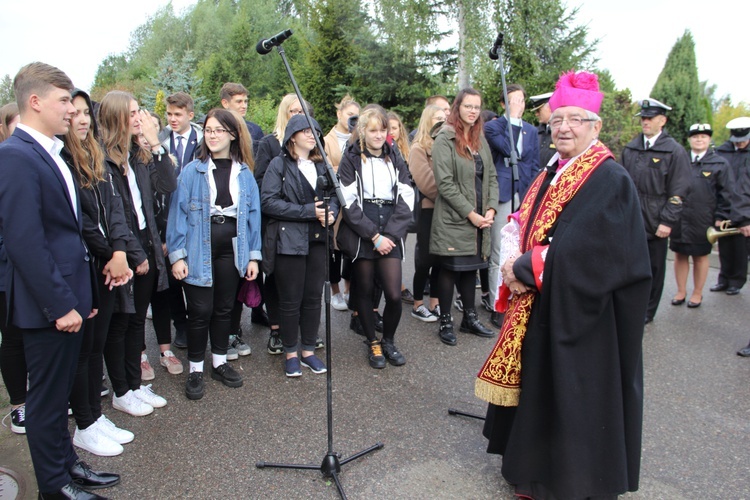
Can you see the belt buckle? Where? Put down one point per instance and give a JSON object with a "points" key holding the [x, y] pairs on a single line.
{"points": [[219, 219], [379, 202]]}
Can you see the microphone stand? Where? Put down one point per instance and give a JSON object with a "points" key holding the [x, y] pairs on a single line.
{"points": [[331, 465]]}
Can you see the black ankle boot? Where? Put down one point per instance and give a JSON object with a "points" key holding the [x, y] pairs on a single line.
{"points": [[471, 324], [446, 330], [375, 354]]}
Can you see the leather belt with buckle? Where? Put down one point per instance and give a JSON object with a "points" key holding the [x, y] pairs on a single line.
{"points": [[221, 219]]}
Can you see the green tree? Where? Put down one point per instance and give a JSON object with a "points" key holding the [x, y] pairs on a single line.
{"points": [[7, 93], [617, 113], [678, 87], [336, 28], [542, 40], [175, 75]]}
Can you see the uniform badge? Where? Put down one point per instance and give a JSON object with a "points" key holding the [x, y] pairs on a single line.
{"points": [[706, 174], [656, 160]]}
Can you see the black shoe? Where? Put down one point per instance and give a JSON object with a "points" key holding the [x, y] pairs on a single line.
{"points": [[392, 353], [378, 322], [259, 317], [446, 330], [194, 385], [496, 319], [732, 290], [678, 302], [471, 324], [70, 491], [356, 326], [180, 339], [375, 354], [18, 419], [648, 320], [407, 296], [719, 287], [84, 477], [226, 375], [744, 352], [486, 303], [275, 346]]}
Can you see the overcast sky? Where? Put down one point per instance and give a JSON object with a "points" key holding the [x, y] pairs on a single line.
{"points": [[636, 36]]}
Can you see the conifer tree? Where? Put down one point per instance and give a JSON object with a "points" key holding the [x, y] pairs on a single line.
{"points": [[678, 87]]}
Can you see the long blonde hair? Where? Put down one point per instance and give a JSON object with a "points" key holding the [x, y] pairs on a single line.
{"points": [[282, 117], [371, 113], [114, 121], [423, 137]]}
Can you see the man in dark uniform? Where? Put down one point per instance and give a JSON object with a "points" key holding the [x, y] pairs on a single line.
{"points": [[732, 249], [733, 254], [660, 169], [542, 112]]}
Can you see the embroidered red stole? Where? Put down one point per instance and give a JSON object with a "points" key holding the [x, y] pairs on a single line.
{"points": [[499, 380]]}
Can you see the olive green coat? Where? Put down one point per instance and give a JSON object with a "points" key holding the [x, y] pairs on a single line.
{"points": [[452, 233]]}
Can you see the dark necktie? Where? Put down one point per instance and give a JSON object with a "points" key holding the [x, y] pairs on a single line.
{"points": [[648, 145], [179, 151]]}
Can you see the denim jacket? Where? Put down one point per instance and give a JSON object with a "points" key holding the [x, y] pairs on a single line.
{"points": [[189, 223]]}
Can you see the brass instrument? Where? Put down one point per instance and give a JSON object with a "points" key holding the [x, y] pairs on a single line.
{"points": [[713, 234]]}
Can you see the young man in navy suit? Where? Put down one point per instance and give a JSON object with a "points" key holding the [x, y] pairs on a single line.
{"points": [[50, 285]]}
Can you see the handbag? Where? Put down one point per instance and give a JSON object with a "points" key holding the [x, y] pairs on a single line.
{"points": [[249, 294], [414, 224]]}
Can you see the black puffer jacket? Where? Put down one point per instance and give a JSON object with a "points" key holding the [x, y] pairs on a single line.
{"points": [[708, 200], [288, 201], [356, 225], [662, 176], [156, 176]]}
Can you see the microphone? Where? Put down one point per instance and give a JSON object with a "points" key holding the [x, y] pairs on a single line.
{"points": [[495, 48], [266, 45]]}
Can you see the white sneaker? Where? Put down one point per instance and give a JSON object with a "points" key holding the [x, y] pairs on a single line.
{"points": [[113, 432], [94, 441], [147, 372], [131, 405], [338, 302], [149, 397]]}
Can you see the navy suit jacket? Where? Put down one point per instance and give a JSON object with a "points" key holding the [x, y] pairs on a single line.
{"points": [[496, 132], [190, 148], [49, 268]]}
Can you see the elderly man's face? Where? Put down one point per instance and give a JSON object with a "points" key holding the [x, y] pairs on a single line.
{"points": [[572, 130]]}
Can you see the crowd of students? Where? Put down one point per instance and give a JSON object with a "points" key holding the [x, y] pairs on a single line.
{"points": [[179, 220]]}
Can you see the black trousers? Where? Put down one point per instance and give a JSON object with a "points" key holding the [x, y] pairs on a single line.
{"points": [[85, 398], [657, 252], [127, 334], [52, 358], [210, 307], [300, 285], [12, 359], [733, 261], [165, 305]]}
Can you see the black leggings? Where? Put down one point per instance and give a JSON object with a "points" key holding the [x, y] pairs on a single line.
{"points": [[426, 265], [127, 333], [210, 307], [388, 270], [465, 281], [300, 279]]}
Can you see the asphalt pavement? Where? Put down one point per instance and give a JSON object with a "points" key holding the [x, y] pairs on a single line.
{"points": [[696, 421]]}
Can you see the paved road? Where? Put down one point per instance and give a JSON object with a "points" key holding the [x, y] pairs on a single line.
{"points": [[697, 419]]}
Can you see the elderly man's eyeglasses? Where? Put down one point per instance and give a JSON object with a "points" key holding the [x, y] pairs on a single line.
{"points": [[573, 121]]}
